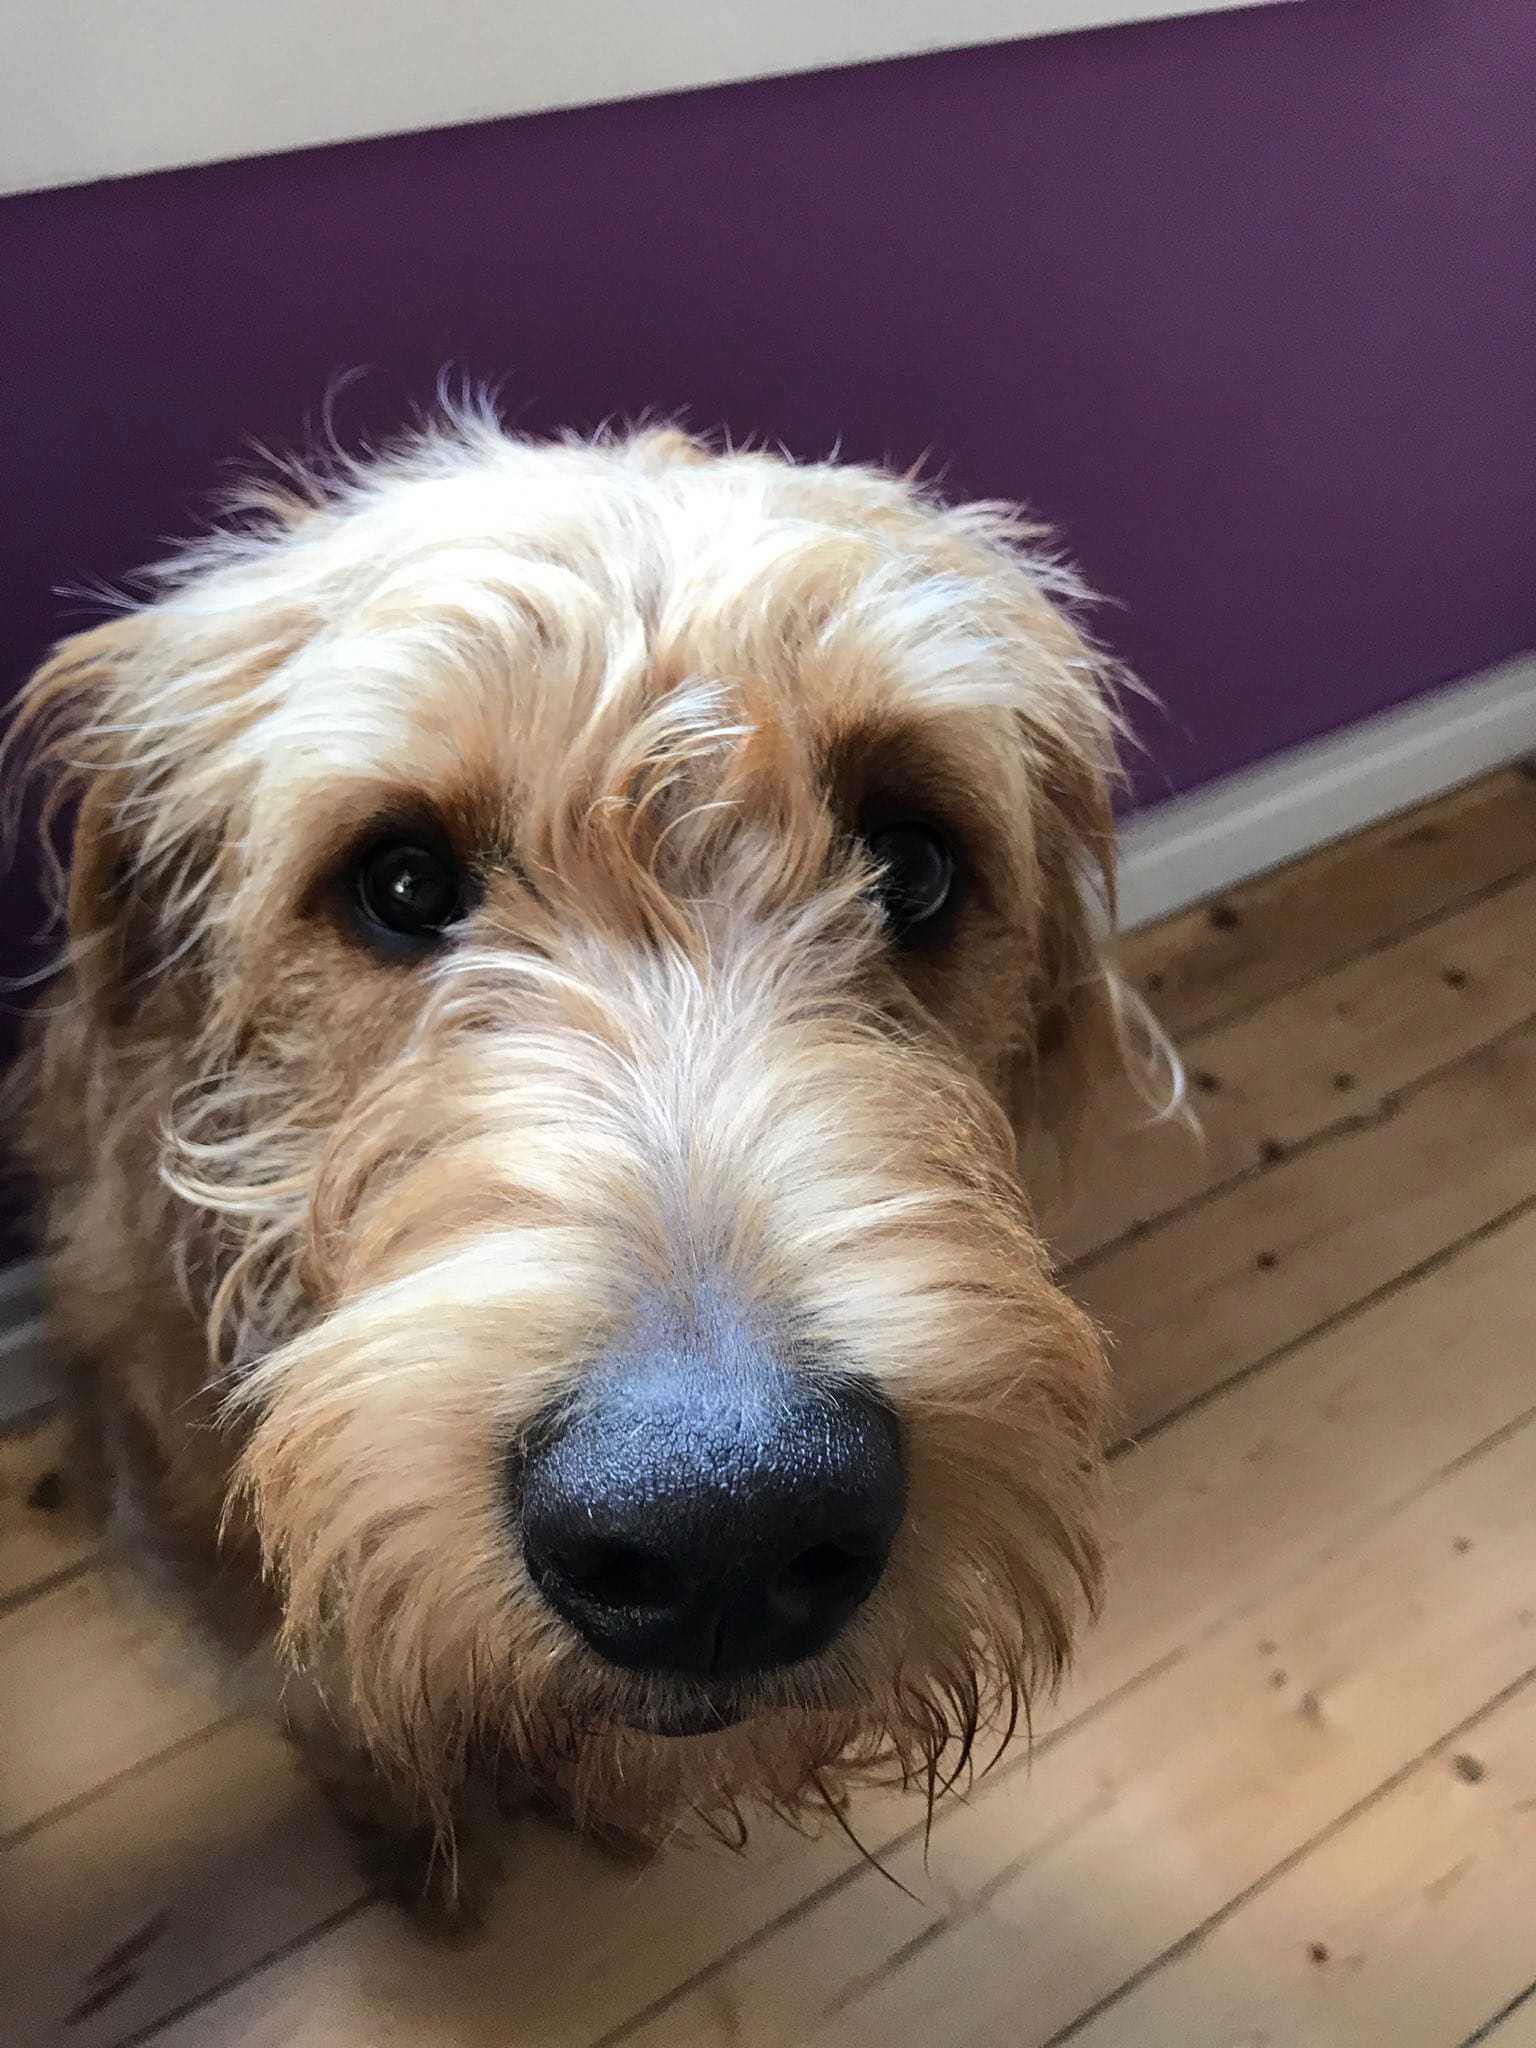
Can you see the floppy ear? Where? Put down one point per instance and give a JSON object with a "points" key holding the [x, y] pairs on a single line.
{"points": [[1085, 1026], [1066, 1008], [125, 899]]}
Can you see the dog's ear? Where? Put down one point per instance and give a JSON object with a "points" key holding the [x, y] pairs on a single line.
{"points": [[1066, 1009], [126, 898], [1084, 1025]]}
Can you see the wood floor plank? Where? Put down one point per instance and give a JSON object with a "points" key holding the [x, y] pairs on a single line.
{"points": [[1204, 1295], [42, 1531], [92, 1684], [1404, 1927], [119, 1913], [1517, 2029], [1136, 1828], [1324, 1053], [1217, 1516], [573, 1936], [1234, 1500], [1219, 958]]}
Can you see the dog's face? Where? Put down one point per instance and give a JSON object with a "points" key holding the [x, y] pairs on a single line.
{"points": [[592, 926]]}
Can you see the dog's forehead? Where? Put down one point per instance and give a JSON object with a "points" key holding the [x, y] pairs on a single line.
{"points": [[524, 607]]}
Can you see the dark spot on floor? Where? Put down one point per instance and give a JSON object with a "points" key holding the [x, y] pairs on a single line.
{"points": [[1224, 917], [1343, 1083], [1203, 1079], [1310, 1707], [1155, 984], [1267, 1648], [49, 1494], [1470, 1769], [1279, 1680], [1271, 1151], [1455, 977], [1461, 1545], [98, 2000], [1319, 1952], [1266, 1262], [132, 1946]]}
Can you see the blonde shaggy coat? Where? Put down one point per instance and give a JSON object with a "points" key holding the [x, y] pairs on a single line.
{"points": [[329, 1231]]}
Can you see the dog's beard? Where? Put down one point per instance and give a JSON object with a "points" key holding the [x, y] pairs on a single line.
{"points": [[401, 1578]]}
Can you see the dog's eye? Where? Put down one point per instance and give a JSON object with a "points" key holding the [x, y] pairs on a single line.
{"points": [[405, 891], [917, 874]]}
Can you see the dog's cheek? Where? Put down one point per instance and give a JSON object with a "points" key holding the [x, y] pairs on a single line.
{"points": [[1003, 1541]]}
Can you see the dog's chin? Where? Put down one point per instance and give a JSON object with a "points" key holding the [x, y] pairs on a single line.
{"points": [[689, 1709], [699, 1711]]}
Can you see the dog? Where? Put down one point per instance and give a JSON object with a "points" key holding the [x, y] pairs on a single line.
{"points": [[572, 948]]}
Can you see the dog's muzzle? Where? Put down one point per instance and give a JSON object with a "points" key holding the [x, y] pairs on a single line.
{"points": [[703, 1513]]}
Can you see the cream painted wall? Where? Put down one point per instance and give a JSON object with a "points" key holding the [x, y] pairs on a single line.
{"points": [[106, 88]]}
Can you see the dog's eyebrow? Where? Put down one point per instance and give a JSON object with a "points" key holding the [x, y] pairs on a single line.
{"points": [[467, 828], [897, 769]]}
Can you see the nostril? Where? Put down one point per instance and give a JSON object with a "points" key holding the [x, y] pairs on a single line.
{"points": [[827, 1574], [619, 1577]]}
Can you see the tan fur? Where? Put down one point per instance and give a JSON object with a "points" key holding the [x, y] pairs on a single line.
{"points": [[329, 1232]]}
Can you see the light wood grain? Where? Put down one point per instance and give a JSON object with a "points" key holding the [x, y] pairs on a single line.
{"points": [[1204, 1295], [1195, 1788], [92, 1683], [128, 1907], [1217, 959], [1238, 1499], [1516, 2030], [42, 1530], [1422, 1908], [1330, 1050]]}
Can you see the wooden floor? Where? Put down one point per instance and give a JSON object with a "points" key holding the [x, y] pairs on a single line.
{"points": [[1290, 1796]]}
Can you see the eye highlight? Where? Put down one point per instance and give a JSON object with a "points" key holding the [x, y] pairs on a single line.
{"points": [[405, 894], [916, 879]]}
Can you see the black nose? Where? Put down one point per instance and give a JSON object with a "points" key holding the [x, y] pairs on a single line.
{"points": [[705, 1513]]}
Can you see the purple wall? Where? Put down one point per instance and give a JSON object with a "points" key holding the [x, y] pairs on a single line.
{"points": [[1247, 304]]}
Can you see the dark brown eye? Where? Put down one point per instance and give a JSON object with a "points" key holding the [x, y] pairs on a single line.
{"points": [[406, 894], [916, 877]]}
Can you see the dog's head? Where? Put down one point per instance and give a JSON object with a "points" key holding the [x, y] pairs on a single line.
{"points": [[590, 928]]}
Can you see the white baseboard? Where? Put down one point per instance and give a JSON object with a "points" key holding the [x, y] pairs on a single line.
{"points": [[1192, 847], [20, 1287], [28, 1373], [28, 1377]]}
